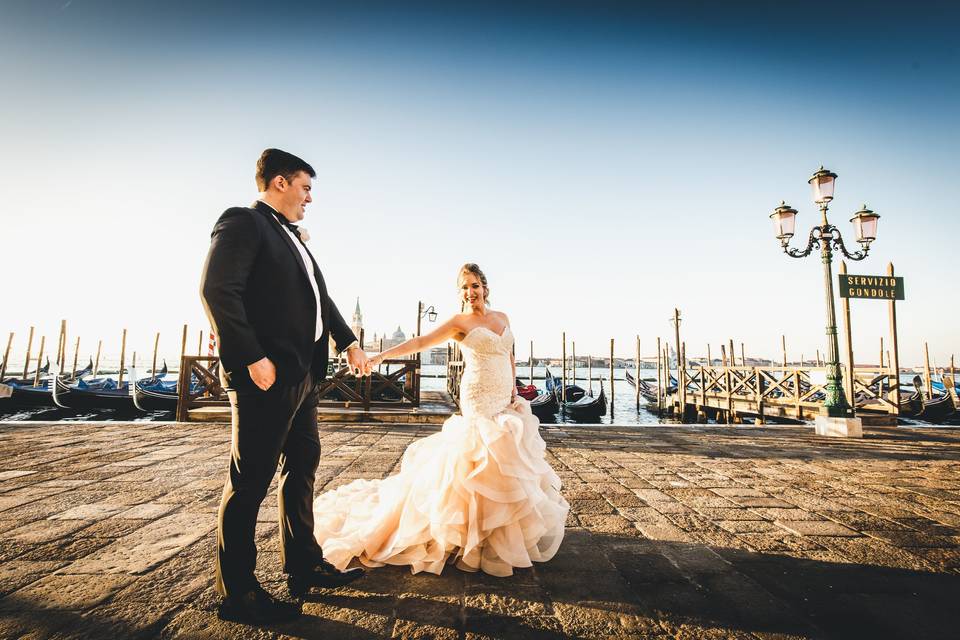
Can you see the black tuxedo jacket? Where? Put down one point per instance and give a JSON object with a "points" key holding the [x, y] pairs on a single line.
{"points": [[257, 294]]}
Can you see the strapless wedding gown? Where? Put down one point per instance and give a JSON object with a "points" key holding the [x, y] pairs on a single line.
{"points": [[479, 492]]}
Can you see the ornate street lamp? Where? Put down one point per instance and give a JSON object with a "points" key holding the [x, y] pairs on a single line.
{"points": [[422, 313], [829, 238]]}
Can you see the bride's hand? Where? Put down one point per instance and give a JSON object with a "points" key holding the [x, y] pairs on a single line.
{"points": [[375, 361]]}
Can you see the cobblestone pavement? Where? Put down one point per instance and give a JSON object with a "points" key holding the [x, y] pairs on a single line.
{"points": [[107, 531]]}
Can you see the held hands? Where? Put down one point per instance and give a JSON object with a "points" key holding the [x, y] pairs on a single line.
{"points": [[375, 361], [358, 362], [263, 373]]}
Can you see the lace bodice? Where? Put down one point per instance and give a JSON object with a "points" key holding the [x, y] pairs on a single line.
{"points": [[487, 383]]}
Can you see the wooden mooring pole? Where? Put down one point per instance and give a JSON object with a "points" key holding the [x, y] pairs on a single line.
{"points": [[573, 358], [589, 375], [96, 362], [894, 344], [62, 346], [156, 344], [200, 344], [123, 356], [26, 363], [637, 369], [660, 387], [531, 362], [563, 373], [76, 356], [611, 380], [36, 378], [6, 357], [848, 343], [183, 344], [926, 369], [783, 345], [682, 379]]}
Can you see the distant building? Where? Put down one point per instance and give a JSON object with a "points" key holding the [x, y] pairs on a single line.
{"points": [[436, 355], [397, 337]]}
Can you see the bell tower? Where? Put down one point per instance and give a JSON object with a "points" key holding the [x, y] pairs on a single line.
{"points": [[357, 324]]}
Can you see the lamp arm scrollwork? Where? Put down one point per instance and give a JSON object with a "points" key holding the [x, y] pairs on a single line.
{"points": [[855, 256], [797, 253]]}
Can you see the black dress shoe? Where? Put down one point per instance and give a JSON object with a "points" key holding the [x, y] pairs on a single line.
{"points": [[322, 575], [257, 607]]}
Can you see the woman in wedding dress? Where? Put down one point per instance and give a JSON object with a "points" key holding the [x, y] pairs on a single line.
{"points": [[480, 492]]}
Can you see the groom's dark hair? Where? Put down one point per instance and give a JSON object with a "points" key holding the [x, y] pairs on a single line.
{"points": [[274, 162]]}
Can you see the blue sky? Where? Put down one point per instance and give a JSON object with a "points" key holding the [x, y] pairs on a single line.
{"points": [[603, 162]]}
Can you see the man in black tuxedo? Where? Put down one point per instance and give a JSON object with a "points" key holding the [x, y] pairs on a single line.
{"points": [[268, 304]]}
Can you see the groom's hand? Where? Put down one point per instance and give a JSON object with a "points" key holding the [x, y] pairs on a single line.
{"points": [[263, 373], [357, 360]]}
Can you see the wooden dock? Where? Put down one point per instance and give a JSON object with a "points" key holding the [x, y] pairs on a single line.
{"points": [[435, 407], [391, 396], [735, 394]]}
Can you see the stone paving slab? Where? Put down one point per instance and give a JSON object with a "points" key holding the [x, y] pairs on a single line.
{"points": [[107, 531]]}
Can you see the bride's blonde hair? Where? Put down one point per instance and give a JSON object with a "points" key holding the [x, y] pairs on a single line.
{"points": [[472, 267]]}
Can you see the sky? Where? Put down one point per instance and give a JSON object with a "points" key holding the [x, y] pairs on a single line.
{"points": [[603, 162]]}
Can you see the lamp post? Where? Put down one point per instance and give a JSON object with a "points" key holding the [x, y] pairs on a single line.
{"points": [[422, 313], [829, 239], [681, 368]]}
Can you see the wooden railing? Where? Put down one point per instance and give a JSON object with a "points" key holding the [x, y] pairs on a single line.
{"points": [[205, 369], [454, 371], [779, 392], [397, 388]]}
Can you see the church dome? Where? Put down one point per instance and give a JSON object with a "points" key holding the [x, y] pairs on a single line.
{"points": [[398, 335]]}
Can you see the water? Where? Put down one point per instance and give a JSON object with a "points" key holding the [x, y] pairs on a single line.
{"points": [[624, 412]]}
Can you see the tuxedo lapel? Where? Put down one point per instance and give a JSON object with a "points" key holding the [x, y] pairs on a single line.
{"points": [[321, 285], [275, 225]]}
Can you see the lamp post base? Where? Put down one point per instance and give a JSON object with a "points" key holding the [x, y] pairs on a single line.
{"points": [[839, 427]]}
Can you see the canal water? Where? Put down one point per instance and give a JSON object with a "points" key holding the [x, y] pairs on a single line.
{"points": [[625, 411]]}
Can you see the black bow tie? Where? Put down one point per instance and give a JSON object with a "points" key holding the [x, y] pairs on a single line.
{"points": [[289, 225]]}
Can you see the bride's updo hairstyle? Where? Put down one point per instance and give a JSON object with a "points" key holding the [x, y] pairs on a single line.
{"points": [[472, 267]]}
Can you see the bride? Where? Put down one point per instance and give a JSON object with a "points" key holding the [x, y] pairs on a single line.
{"points": [[479, 492]]}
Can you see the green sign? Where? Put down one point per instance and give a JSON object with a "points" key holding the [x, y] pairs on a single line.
{"points": [[871, 287]]}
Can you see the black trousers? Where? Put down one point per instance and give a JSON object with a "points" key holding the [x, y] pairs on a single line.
{"points": [[269, 427]]}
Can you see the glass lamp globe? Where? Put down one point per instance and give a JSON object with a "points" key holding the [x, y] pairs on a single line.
{"points": [[822, 182]]}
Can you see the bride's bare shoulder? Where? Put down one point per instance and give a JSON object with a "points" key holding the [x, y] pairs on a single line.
{"points": [[461, 323], [500, 315]]}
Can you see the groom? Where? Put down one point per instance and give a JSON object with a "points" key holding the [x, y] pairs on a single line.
{"points": [[268, 304]]}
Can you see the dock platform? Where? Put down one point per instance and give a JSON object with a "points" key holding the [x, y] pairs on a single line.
{"points": [[108, 531], [435, 407]]}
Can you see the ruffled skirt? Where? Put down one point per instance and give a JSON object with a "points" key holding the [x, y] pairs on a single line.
{"points": [[479, 492]]}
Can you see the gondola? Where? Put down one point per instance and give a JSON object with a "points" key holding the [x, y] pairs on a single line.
{"points": [[647, 390], [23, 392], [545, 406], [588, 408], [555, 386], [156, 394], [938, 385], [61, 387], [936, 409], [526, 391], [910, 405], [98, 393]]}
